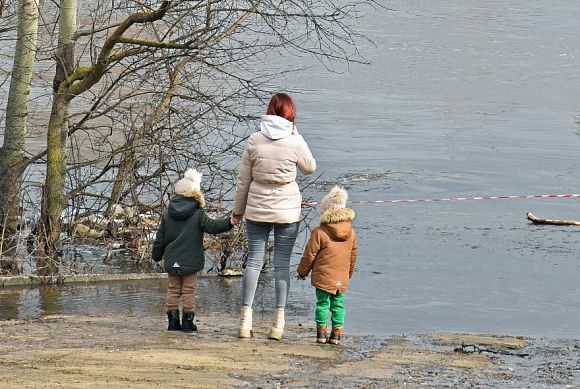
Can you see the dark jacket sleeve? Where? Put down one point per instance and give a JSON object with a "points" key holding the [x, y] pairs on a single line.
{"points": [[159, 244], [214, 226], [310, 252]]}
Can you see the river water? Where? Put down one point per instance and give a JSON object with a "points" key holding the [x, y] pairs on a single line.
{"points": [[461, 98]]}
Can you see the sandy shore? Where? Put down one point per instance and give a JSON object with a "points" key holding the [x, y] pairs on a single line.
{"points": [[137, 352]]}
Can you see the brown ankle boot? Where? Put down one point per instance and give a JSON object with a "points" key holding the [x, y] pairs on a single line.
{"points": [[321, 334], [335, 335]]}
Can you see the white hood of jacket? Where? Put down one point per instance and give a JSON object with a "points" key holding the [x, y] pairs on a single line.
{"points": [[276, 127]]}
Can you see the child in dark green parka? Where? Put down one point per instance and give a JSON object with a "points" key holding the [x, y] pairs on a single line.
{"points": [[179, 242]]}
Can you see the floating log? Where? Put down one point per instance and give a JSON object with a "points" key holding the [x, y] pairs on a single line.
{"points": [[556, 222], [231, 272], [87, 231]]}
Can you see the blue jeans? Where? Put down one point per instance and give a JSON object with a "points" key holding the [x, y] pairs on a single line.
{"points": [[284, 238]]}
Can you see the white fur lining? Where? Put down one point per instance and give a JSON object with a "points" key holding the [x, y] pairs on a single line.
{"points": [[337, 215], [196, 195]]}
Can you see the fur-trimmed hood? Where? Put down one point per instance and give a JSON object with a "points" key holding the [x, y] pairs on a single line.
{"points": [[184, 205], [196, 195], [337, 215], [337, 222]]}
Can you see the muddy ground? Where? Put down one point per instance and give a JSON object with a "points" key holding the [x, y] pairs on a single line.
{"points": [[137, 352]]}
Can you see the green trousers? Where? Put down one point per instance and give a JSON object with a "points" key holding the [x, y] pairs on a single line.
{"points": [[326, 302]]}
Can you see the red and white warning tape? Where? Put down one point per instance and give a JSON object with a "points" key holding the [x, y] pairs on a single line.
{"points": [[545, 196]]}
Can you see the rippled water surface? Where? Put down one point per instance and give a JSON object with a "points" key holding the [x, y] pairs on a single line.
{"points": [[461, 98]]}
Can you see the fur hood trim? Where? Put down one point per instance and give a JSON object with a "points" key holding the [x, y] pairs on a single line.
{"points": [[196, 195], [337, 215]]}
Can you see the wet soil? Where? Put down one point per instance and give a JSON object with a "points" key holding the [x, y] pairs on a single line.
{"points": [[136, 351]]}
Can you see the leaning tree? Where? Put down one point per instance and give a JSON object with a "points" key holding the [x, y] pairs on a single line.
{"points": [[142, 90]]}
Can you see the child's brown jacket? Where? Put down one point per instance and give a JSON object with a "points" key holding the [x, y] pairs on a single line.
{"points": [[331, 251]]}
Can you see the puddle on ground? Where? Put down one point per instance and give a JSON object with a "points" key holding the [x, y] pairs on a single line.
{"points": [[214, 295]]}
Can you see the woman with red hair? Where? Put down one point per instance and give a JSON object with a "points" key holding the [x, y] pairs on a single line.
{"points": [[268, 198]]}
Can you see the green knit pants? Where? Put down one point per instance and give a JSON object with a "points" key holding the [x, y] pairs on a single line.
{"points": [[326, 302]]}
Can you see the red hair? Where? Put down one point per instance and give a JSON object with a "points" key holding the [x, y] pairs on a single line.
{"points": [[282, 105]]}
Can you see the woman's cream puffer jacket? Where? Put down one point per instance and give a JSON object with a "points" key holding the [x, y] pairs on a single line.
{"points": [[266, 190]]}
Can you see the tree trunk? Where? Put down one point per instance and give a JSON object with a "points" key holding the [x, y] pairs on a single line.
{"points": [[55, 172], [12, 157], [69, 82], [126, 166], [58, 130]]}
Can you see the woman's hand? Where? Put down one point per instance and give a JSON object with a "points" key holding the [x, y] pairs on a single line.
{"points": [[235, 219]]}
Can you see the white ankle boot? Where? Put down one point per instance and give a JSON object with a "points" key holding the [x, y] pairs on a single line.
{"points": [[245, 322], [278, 328]]}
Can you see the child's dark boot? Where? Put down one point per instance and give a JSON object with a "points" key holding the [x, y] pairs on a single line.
{"points": [[187, 324], [335, 335], [173, 318], [321, 334]]}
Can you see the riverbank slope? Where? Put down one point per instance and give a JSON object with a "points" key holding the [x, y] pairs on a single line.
{"points": [[137, 352]]}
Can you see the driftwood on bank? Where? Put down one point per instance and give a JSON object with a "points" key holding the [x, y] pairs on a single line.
{"points": [[538, 220], [472, 349]]}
